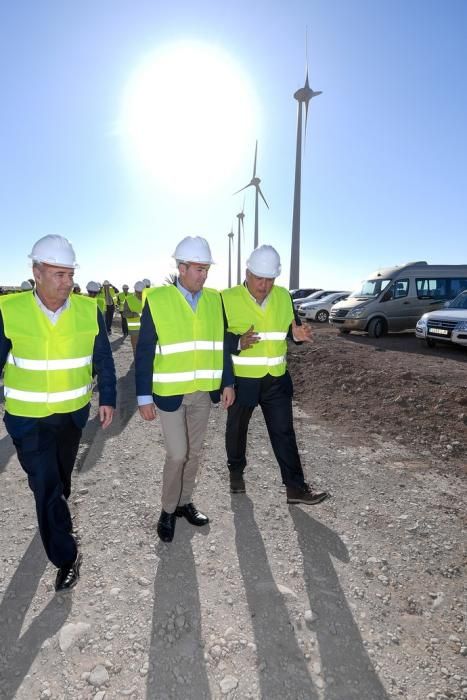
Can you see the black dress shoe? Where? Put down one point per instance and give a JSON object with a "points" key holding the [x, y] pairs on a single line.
{"points": [[192, 514], [68, 575], [166, 526]]}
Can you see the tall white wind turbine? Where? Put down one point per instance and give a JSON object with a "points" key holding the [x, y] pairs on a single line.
{"points": [[254, 182]]}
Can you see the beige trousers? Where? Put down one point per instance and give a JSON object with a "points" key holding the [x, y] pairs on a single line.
{"points": [[184, 431]]}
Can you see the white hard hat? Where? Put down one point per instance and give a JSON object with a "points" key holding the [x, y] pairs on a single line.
{"points": [[54, 250], [106, 282], [26, 286], [264, 262], [193, 249], [125, 286], [93, 287], [139, 286], [147, 282]]}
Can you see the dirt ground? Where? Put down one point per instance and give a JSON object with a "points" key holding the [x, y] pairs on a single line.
{"points": [[391, 387], [359, 598]]}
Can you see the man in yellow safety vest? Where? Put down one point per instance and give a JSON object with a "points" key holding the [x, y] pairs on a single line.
{"points": [[181, 365], [50, 339], [260, 318]]}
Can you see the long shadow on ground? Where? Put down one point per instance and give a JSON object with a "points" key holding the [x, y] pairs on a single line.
{"points": [[176, 654], [92, 442], [18, 651], [285, 673], [346, 666]]}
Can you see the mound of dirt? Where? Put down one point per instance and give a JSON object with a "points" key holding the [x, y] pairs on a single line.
{"points": [[392, 387]]}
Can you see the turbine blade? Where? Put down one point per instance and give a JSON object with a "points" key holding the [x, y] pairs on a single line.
{"points": [[256, 153], [243, 188], [262, 196]]}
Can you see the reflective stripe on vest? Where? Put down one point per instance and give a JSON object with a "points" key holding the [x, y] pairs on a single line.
{"points": [[43, 397], [189, 346], [49, 367], [189, 353], [49, 364], [271, 323]]}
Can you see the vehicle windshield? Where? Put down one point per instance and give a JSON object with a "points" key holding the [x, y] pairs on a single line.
{"points": [[371, 288], [460, 302]]}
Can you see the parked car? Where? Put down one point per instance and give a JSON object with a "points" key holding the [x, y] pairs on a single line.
{"points": [[302, 293], [394, 298], [319, 309], [446, 325], [313, 297]]}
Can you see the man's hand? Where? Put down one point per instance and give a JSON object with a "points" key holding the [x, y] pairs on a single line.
{"points": [[228, 397], [106, 413], [302, 333], [148, 411], [248, 339]]}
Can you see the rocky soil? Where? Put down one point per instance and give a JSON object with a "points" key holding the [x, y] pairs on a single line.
{"points": [[359, 598]]}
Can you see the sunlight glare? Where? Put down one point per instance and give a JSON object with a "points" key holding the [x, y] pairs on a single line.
{"points": [[189, 117]]}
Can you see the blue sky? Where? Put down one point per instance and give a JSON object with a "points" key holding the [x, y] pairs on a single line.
{"points": [[384, 171]]}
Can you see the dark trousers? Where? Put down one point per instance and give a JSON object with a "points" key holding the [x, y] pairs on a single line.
{"points": [[124, 326], [47, 454], [276, 403], [109, 314]]}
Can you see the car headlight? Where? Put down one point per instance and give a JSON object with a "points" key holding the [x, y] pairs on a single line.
{"points": [[357, 312], [421, 324], [461, 326]]}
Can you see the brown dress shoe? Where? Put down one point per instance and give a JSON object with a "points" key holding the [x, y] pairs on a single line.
{"points": [[305, 495]]}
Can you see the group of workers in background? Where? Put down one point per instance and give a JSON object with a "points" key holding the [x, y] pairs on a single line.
{"points": [[193, 346]]}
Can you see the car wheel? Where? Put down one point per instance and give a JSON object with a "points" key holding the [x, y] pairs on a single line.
{"points": [[431, 343], [322, 316], [377, 327]]}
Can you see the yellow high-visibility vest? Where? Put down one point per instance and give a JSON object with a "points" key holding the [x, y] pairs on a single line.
{"points": [[135, 305], [272, 323], [189, 351], [49, 367]]}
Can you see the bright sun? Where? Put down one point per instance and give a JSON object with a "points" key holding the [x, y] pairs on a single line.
{"points": [[189, 117]]}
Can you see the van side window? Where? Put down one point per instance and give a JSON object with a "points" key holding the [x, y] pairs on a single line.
{"points": [[401, 289], [441, 288]]}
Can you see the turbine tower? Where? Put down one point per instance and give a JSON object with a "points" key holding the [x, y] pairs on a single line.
{"points": [[254, 182], [231, 243], [303, 97], [240, 217]]}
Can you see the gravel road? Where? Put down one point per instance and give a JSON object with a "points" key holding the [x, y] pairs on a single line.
{"points": [[359, 598]]}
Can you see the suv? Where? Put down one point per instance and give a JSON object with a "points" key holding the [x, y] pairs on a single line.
{"points": [[447, 325], [302, 293]]}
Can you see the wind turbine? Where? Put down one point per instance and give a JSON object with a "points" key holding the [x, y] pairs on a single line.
{"points": [[240, 217], [303, 97], [231, 243], [254, 182]]}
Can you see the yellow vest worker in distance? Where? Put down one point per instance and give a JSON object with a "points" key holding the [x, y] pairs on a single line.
{"points": [[132, 309], [50, 340], [182, 365], [93, 289], [260, 317], [121, 298], [109, 294]]}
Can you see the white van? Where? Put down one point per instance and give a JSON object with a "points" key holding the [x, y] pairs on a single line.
{"points": [[394, 298]]}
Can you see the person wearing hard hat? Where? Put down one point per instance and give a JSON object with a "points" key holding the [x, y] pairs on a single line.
{"points": [[260, 317], [146, 282], [93, 289], [121, 297], [109, 294], [133, 307], [76, 288], [50, 339], [26, 286], [181, 365]]}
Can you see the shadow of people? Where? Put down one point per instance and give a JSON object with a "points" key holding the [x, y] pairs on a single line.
{"points": [[7, 449], [18, 651], [283, 671], [346, 667], [177, 669], [94, 438]]}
